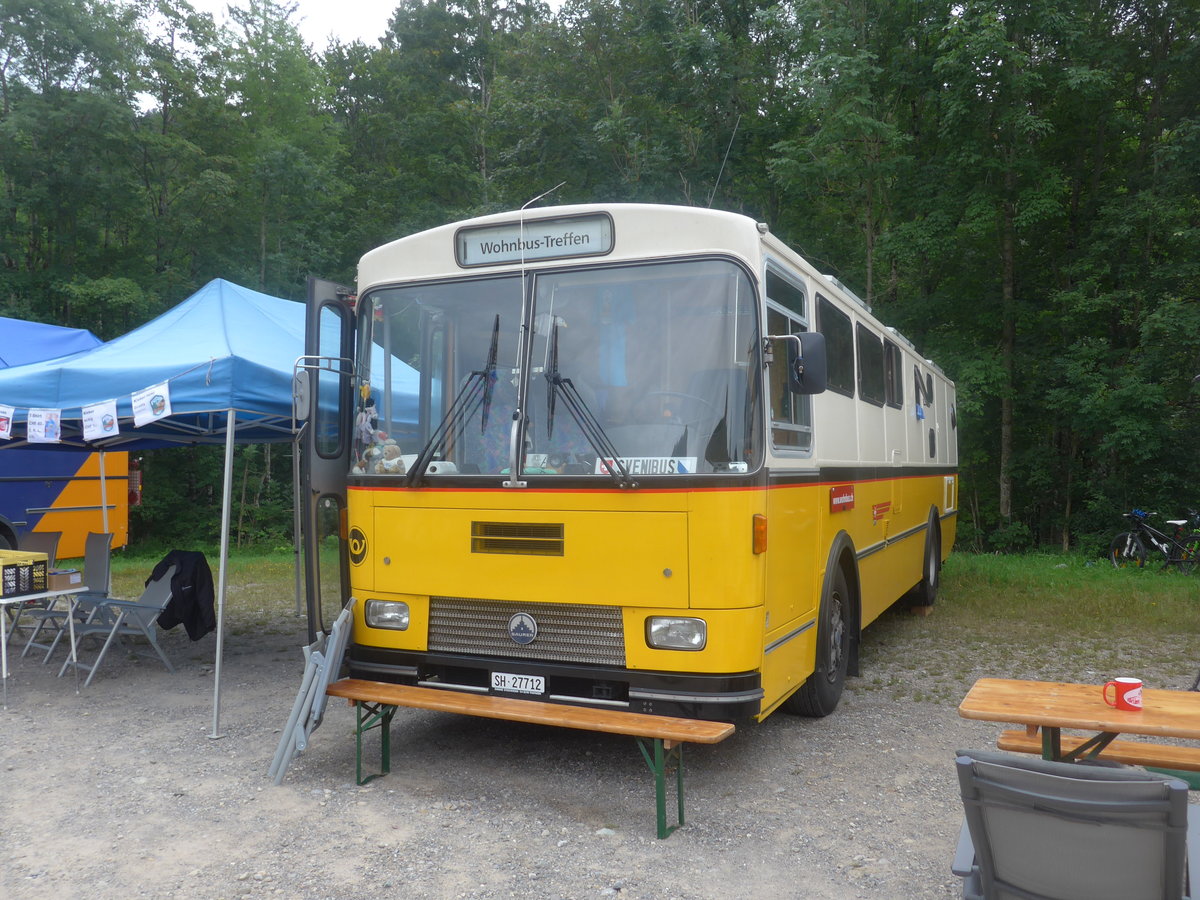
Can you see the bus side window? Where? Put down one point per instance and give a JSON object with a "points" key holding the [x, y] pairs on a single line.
{"points": [[924, 386], [791, 413], [871, 380], [892, 375], [839, 346]]}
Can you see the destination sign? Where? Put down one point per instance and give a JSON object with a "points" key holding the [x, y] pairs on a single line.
{"points": [[537, 239]]}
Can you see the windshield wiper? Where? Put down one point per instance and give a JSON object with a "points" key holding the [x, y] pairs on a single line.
{"points": [[593, 431], [476, 391]]}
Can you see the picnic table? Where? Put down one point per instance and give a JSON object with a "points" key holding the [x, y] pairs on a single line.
{"points": [[1046, 708]]}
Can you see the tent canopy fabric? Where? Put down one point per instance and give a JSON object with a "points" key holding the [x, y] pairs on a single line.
{"points": [[225, 347], [24, 342]]}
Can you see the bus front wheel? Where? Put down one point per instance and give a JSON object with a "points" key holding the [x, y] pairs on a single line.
{"points": [[820, 693]]}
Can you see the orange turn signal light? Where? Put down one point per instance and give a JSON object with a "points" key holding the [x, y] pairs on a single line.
{"points": [[760, 533]]}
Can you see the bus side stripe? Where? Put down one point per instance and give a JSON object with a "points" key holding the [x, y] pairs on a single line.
{"points": [[884, 544], [779, 642]]}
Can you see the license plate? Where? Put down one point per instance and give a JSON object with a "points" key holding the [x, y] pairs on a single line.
{"points": [[518, 684]]}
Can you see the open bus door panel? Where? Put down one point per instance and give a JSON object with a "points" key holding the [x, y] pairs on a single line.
{"points": [[327, 373]]}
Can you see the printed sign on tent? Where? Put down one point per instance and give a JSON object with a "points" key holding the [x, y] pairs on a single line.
{"points": [[6, 414], [151, 404], [100, 421], [44, 426]]}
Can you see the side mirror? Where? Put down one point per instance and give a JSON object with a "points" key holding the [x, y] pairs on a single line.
{"points": [[807, 370], [301, 395]]}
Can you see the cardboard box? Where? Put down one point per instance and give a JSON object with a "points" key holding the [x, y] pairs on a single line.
{"points": [[63, 579]]}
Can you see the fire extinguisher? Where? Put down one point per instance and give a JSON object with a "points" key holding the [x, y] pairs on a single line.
{"points": [[135, 482]]}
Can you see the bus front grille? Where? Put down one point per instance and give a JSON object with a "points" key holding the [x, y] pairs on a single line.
{"points": [[566, 633], [518, 538]]}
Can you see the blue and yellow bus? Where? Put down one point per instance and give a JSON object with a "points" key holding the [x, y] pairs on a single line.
{"points": [[57, 489], [61, 490]]}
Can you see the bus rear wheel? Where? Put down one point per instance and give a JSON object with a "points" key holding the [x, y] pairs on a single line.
{"points": [[820, 693], [925, 591]]}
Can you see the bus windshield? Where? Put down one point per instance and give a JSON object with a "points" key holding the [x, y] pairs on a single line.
{"points": [[655, 365]]}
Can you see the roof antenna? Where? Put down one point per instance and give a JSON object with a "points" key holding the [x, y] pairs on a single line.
{"points": [[521, 230], [544, 194], [723, 161]]}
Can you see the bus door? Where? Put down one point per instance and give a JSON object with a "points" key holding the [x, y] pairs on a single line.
{"points": [[324, 382]]}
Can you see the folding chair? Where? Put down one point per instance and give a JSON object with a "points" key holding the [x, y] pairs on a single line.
{"points": [[97, 557], [1042, 830], [35, 542], [323, 663], [124, 618], [42, 542]]}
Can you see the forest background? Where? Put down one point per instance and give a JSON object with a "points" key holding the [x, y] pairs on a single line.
{"points": [[1014, 185]]}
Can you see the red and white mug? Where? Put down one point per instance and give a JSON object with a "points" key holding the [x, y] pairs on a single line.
{"points": [[1126, 693]]}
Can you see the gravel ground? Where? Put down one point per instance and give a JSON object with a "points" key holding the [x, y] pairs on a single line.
{"points": [[118, 791]]}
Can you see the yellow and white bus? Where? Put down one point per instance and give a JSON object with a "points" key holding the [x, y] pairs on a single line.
{"points": [[624, 456]]}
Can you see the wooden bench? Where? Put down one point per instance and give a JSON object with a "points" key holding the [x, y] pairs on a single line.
{"points": [[660, 738], [1137, 753]]}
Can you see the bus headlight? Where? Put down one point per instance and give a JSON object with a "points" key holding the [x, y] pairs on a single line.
{"points": [[391, 614], [676, 633]]}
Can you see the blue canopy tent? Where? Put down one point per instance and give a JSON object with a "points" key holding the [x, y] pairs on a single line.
{"points": [[226, 350], [227, 355], [24, 342]]}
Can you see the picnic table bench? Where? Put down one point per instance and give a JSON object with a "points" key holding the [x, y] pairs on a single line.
{"points": [[1134, 753], [660, 738]]}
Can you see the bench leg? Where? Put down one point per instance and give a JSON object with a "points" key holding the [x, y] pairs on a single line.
{"points": [[660, 754], [1092, 747], [1089, 749], [368, 716]]}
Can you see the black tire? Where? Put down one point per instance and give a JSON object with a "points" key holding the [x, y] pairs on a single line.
{"points": [[925, 592], [1127, 551], [1186, 558], [7, 541], [820, 693]]}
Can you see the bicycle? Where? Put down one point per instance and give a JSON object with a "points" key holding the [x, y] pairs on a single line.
{"points": [[1181, 549]]}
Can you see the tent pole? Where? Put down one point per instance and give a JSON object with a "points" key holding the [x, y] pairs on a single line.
{"points": [[103, 495], [296, 525], [104, 524], [226, 496]]}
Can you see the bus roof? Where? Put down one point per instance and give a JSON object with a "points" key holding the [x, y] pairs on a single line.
{"points": [[668, 230]]}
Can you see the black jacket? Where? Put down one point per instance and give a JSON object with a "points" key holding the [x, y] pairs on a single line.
{"points": [[191, 602]]}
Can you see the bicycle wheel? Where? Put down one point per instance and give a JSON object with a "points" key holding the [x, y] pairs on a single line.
{"points": [[1127, 550], [1186, 557]]}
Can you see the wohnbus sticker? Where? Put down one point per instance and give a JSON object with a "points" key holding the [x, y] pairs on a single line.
{"points": [[648, 465]]}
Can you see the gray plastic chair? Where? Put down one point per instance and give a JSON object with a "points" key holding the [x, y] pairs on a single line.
{"points": [[1040, 830], [125, 618], [42, 542], [97, 558], [34, 542]]}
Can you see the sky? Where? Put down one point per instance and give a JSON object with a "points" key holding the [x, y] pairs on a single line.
{"points": [[347, 20]]}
